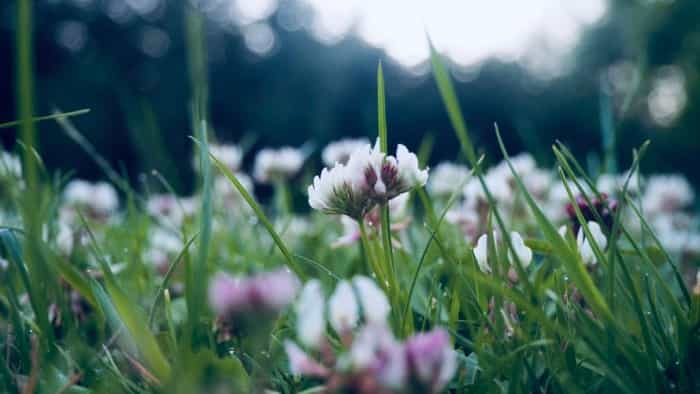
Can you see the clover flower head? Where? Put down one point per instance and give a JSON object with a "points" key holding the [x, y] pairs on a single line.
{"points": [[368, 178], [339, 152], [337, 192], [265, 292], [99, 198], [272, 165]]}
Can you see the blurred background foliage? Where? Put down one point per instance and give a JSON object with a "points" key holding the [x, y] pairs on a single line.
{"points": [[275, 80]]}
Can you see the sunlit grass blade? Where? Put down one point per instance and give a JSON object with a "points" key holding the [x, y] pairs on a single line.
{"points": [[55, 115], [449, 98]]}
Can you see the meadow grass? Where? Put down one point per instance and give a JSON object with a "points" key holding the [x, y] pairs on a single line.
{"points": [[101, 317]]}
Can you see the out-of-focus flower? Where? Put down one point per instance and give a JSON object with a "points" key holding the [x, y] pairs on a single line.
{"points": [[340, 151], [228, 154], [466, 217], [584, 244], [272, 165], [446, 178], [523, 253], [343, 311], [368, 178], [100, 199], [164, 245], [667, 193], [300, 363], [65, 238], [228, 197], [611, 184], [376, 352], [431, 358], [166, 206], [265, 292], [311, 323], [537, 182], [375, 306], [10, 165]]}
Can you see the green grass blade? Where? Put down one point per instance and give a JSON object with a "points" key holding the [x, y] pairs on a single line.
{"points": [[55, 115], [449, 98], [566, 255], [291, 263]]}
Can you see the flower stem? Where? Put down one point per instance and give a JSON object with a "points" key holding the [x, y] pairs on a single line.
{"points": [[380, 276], [389, 264]]}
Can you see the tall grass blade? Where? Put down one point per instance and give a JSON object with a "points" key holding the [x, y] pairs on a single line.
{"points": [[55, 115]]}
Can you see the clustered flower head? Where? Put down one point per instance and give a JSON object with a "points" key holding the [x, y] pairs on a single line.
{"points": [[272, 165], [267, 292], [98, 199], [370, 359], [369, 177]]}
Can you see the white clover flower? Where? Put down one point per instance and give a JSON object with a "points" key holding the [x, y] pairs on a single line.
{"points": [[375, 305], [340, 151], [481, 253], [100, 198], [667, 193], [676, 231], [311, 323], [446, 178], [584, 244], [537, 182], [228, 155], [165, 206], [466, 217], [384, 177], [273, 165], [65, 238], [343, 311], [523, 253], [368, 178], [338, 192], [612, 183]]}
